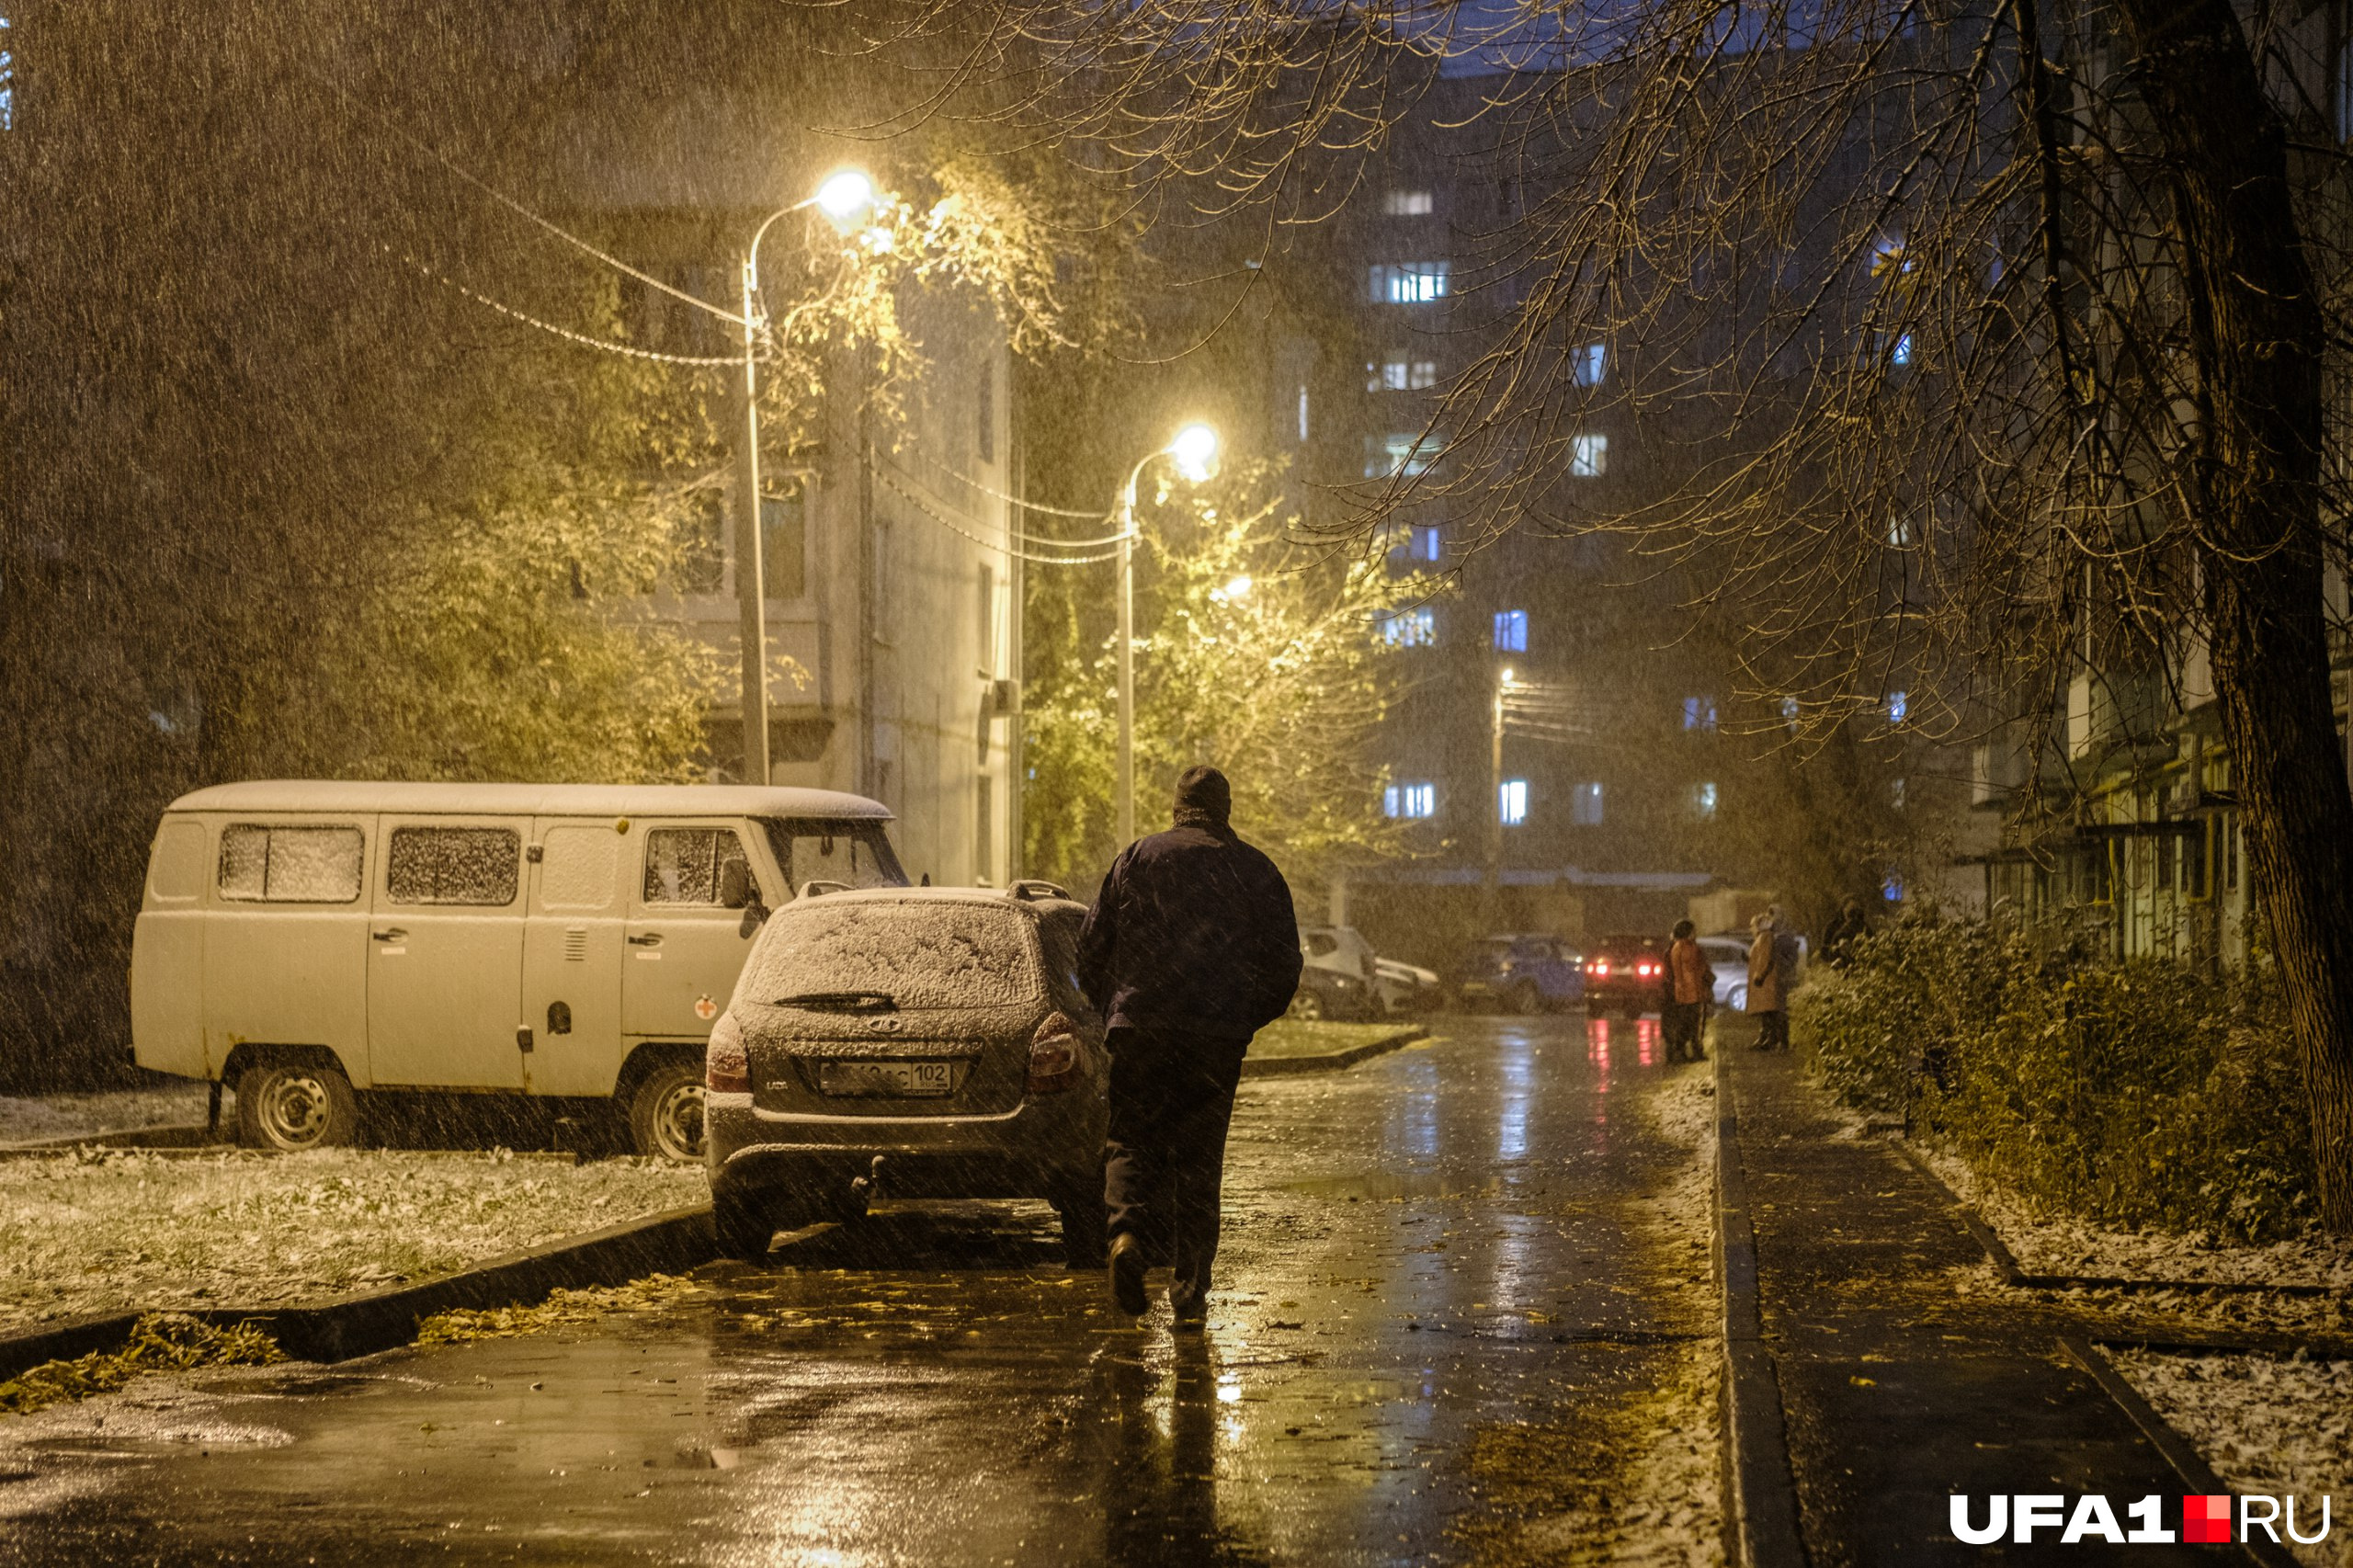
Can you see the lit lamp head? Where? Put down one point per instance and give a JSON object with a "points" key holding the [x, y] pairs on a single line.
{"points": [[1195, 452], [1508, 677], [1239, 587], [847, 198]]}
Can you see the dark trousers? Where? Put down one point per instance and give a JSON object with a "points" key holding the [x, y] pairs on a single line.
{"points": [[1773, 1030], [1164, 1165], [1679, 1022]]}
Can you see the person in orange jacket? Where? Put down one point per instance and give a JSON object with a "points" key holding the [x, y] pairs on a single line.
{"points": [[1690, 986]]}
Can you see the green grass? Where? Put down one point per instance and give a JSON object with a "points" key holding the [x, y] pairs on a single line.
{"points": [[127, 1231], [1289, 1037]]}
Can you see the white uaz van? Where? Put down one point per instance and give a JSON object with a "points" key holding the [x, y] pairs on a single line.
{"points": [[307, 940]]}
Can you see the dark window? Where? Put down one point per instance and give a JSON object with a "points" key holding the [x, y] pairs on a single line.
{"points": [[784, 559], [683, 865], [454, 865]]}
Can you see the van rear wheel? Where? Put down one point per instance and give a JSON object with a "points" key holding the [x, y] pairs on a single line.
{"points": [[665, 1113], [288, 1106]]}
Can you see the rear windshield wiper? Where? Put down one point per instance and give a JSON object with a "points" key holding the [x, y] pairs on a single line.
{"points": [[842, 1001]]}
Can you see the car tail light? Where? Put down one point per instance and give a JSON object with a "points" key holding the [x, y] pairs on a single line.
{"points": [[1053, 1056], [726, 1070], [1599, 968], [1645, 969]]}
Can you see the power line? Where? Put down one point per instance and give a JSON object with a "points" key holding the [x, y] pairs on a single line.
{"points": [[925, 506], [608, 345], [509, 202], [995, 494], [1022, 534]]}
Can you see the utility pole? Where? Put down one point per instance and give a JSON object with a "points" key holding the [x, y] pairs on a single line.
{"points": [[751, 575], [1490, 886]]}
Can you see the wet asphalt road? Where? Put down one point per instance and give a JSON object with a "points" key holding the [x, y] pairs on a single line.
{"points": [[1435, 1306]]}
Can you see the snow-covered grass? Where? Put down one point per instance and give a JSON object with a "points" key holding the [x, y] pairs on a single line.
{"points": [[115, 1230], [2269, 1426], [38, 1119], [2045, 1243]]}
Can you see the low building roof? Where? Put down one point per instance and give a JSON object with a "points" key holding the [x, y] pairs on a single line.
{"points": [[529, 800]]}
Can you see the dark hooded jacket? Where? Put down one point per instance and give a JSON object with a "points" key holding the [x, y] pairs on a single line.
{"points": [[1193, 931]]}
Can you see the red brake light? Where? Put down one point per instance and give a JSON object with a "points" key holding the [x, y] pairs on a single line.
{"points": [[1600, 968], [726, 1069], [1646, 968], [1053, 1056]]}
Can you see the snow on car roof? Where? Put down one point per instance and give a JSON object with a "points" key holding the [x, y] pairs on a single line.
{"points": [[532, 799], [997, 896]]}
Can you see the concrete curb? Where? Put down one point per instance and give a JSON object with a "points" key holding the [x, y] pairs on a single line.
{"points": [[1761, 1525], [344, 1326], [2196, 1475], [1331, 1061], [192, 1136]]}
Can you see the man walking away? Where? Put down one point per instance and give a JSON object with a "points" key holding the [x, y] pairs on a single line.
{"points": [[1190, 949], [1691, 985], [1765, 996]]}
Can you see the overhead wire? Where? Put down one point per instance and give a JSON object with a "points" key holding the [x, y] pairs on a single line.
{"points": [[924, 505], [1042, 541], [581, 338], [995, 494], [511, 204]]}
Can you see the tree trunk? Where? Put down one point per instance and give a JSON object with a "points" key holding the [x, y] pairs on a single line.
{"points": [[2256, 332]]}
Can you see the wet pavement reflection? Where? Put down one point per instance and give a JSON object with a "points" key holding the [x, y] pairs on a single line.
{"points": [[1433, 1300]]}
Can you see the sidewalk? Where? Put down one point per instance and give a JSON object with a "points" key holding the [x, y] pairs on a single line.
{"points": [[1899, 1389], [1285, 1047]]}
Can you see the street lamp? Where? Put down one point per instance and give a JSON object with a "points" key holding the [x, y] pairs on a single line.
{"points": [[847, 197], [1194, 452], [1491, 885]]}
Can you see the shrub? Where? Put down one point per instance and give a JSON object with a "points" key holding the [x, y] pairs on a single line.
{"points": [[2136, 1094]]}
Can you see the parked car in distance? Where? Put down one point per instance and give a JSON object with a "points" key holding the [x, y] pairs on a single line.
{"points": [[1332, 994], [1727, 958], [1530, 973], [1625, 973], [1405, 987], [913, 1042], [320, 943]]}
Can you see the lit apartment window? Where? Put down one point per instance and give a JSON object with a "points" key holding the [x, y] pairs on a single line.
{"points": [[1592, 364], [1511, 802], [1302, 411], [1899, 707], [1511, 630], [1896, 347], [1426, 543], [7, 79], [1589, 456], [1409, 282], [1895, 793], [1409, 800], [1417, 542], [1409, 204], [1399, 372], [1416, 627], [1704, 799], [1700, 714], [1901, 533], [1892, 887], [1584, 805], [1790, 713], [1399, 453]]}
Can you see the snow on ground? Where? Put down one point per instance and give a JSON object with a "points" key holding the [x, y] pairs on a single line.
{"points": [[2267, 1427], [2051, 1244], [38, 1120], [117, 1230]]}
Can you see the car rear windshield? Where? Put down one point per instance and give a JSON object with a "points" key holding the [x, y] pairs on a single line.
{"points": [[918, 953], [854, 854]]}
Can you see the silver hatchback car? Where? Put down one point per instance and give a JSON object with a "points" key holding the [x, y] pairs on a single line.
{"points": [[909, 1042]]}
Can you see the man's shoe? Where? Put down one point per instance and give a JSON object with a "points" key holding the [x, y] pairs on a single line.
{"points": [[1127, 1275], [1194, 1322]]}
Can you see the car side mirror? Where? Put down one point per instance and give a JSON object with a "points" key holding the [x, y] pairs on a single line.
{"points": [[735, 885], [756, 915]]}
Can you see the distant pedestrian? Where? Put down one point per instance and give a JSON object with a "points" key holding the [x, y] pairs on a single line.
{"points": [[1690, 986], [1192, 948], [1767, 998], [1838, 942]]}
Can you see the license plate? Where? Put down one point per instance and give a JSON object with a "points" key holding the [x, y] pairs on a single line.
{"points": [[908, 1080]]}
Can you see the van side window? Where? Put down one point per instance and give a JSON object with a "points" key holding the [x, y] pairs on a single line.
{"points": [[454, 865], [684, 865], [289, 865]]}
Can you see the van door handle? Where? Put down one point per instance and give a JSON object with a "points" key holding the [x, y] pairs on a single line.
{"points": [[394, 934], [650, 939]]}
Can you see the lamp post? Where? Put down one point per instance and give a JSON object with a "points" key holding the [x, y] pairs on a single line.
{"points": [[1490, 886], [845, 198], [1194, 449]]}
